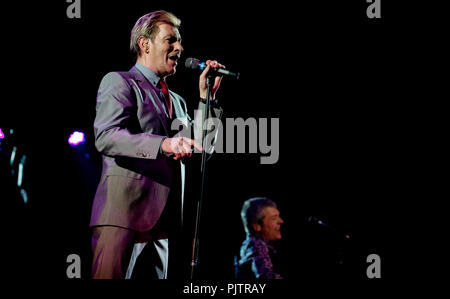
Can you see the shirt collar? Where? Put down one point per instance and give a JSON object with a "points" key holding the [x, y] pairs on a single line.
{"points": [[149, 74]]}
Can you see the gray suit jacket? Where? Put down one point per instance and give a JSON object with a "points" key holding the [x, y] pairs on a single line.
{"points": [[130, 124]]}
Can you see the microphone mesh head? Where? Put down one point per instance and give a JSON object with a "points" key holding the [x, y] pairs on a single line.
{"points": [[191, 63]]}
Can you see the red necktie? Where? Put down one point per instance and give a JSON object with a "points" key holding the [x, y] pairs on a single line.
{"points": [[165, 91]]}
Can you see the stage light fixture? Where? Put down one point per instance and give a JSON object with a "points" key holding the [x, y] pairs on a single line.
{"points": [[76, 138]]}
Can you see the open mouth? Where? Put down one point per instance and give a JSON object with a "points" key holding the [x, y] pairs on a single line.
{"points": [[174, 57]]}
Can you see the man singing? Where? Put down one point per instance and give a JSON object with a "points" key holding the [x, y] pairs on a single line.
{"points": [[141, 191], [262, 223]]}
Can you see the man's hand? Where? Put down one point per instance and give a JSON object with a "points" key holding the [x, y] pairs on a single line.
{"points": [[202, 83], [181, 147]]}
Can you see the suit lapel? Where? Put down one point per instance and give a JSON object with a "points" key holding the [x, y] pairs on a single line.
{"points": [[153, 97], [179, 111]]}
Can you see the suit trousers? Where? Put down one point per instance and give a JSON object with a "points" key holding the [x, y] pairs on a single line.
{"points": [[116, 251], [122, 253]]}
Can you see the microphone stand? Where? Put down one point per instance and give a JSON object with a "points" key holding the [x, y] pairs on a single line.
{"points": [[196, 243]]}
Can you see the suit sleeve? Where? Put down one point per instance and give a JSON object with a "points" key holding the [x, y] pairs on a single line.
{"points": [[116, 120]]}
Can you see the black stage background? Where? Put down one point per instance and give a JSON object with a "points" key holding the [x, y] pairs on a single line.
{"points": [[332, 76]]}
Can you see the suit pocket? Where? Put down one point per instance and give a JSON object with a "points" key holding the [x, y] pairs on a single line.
{"points": [[124, 172]]}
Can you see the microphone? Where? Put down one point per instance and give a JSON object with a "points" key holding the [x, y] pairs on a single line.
{"points": [[192, 63], [322, 223], [315, 220]]}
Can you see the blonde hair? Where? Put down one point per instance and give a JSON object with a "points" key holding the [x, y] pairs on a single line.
{"points": [[147, 26]]}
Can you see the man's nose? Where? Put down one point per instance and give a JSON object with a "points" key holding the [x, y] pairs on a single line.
{"points": [[179, 47]]}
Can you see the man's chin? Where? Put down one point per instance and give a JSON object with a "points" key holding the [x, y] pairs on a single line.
{"points": [[171, 71]]}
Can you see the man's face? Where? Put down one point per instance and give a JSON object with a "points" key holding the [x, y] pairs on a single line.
{"points": [[165, 50], [271, 224]]}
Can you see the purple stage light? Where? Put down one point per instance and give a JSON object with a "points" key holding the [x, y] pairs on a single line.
{"points": [[1, 134], [76, 138]]}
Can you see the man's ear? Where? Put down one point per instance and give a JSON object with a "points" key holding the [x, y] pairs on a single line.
{"points": [[256, 227], [144, 44]]}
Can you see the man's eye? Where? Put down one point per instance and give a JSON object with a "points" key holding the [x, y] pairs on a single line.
{"points": [[171, 40]]}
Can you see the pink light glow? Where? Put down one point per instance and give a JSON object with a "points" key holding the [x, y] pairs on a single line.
{"points": [[76, 138], [1, 134]]}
